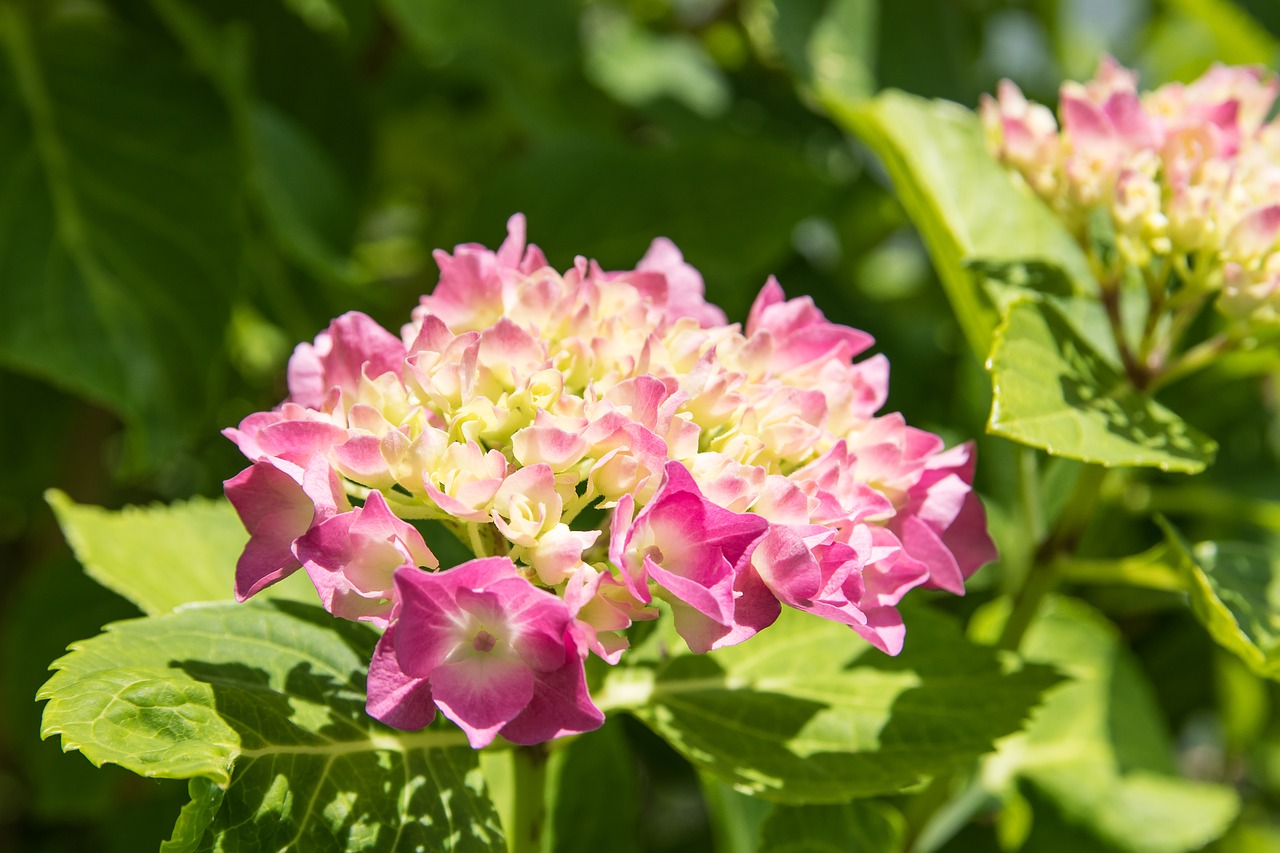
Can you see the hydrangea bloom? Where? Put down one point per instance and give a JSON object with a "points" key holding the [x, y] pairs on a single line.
{"points": [[739, 470], [1186, 176]]}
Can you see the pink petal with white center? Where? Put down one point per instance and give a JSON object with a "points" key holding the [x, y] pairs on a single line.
{"points": [[482, 694], [560, 706], [494, 648], [401, 701]]}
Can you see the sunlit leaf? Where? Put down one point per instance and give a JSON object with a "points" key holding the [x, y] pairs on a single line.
{"points": [[968, 210], [1054, 391], [266, 704], [806, 712], [1097, 749], [1235, 593], [160, 557]]}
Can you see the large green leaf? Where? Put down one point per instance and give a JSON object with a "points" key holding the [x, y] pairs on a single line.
{"points": [[858, 825], [119, 210], [971, 215], [1053, 390], [1235, 593], [299, 191], [806, 712], [162, 556], [1098, 750], [262, 706], [578, 773]]}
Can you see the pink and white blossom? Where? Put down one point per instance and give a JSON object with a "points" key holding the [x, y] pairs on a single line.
{"points": [[726, 470]]}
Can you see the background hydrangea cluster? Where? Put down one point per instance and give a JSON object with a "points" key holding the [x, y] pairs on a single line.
{"points": [[1185, 178], [739, 469]]}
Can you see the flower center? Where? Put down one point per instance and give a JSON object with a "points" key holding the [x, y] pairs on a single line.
{"points": [[484, 641]]}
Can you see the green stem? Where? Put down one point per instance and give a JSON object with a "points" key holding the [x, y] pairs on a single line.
{"points": [[1197, 358], [528, 798], [1062, 539], [1133, 368]]}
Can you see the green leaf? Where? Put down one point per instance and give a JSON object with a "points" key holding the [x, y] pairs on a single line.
{"points": [[579, 772], [1238, 38], [160, 557], [299, 190], [48, 606], [119, 206], [266, 702], [1054, 391], [637, 66], [1097, 748], [859, 825], [1235, 593], [966, 207], [829, 45], [806, 712]]}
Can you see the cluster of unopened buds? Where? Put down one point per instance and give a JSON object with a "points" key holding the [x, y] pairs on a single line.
{"points": [[1185, 177], [728, 471]]}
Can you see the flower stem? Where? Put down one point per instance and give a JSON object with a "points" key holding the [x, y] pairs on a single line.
{"points": [[528, 799], [1043, 574]]}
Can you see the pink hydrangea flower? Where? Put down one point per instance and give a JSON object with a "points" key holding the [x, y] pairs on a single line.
{"points": [[728, 470], [1186, 174], [494, 653]]}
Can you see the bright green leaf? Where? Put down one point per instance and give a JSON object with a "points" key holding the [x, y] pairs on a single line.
{"points": [[1097, 748], [158, 557], [266, 702], [1238, 38], [808, 713], [161, 556], [1054, 391], [1235, 593], [119, 210], [968, 210], [858, 825]]}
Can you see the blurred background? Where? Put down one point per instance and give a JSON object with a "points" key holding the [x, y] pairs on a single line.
{"points": [[187, 189]]}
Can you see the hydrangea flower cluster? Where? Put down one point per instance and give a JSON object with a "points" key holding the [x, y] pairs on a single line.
{"points": [[730, 471], [1186, 176]]}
